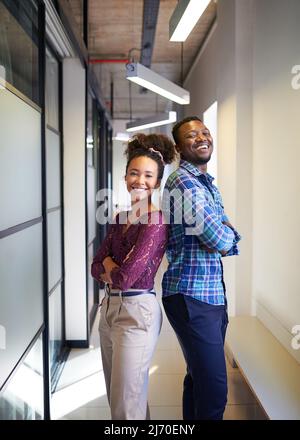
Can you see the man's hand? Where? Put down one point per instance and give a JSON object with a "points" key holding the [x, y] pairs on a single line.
{"points": [[212, 251], [207, 249], [228, 224]]}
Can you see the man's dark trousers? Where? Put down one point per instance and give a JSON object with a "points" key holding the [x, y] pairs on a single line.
{"points": [[200, 329]]}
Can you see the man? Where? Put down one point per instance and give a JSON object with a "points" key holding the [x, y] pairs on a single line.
{"points": [[193, 286]]}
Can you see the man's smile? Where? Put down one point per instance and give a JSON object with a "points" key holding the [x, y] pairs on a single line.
{"points": [[203, 146]]}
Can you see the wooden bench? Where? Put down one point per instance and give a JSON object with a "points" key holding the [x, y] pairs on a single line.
{"points": [[269, 369]]}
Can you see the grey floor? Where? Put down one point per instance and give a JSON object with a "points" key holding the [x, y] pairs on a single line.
{"points": [[81, 391]]}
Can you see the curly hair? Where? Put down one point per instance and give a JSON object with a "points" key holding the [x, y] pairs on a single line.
{"points": [[158, 147]]}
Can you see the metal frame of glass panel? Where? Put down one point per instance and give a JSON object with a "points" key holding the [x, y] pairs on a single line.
{"points": [[103, 165], [19, 10], [56, 364]]}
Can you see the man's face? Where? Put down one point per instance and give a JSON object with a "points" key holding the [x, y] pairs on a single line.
{"points": [[195, 142]]}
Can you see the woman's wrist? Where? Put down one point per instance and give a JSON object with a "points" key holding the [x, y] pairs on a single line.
{"points": [[109, 264]]}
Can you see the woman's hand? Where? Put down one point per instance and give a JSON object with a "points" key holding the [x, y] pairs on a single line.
{"points": [[108, 264], [105, 278]]}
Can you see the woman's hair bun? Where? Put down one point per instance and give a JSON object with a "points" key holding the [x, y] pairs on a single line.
{"points": [[142, 143]]}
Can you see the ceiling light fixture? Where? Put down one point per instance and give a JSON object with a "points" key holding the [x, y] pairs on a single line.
{"points": [[89, 142], [152, 121], [56, 33], [184, 18], [122, 137], [145, 77]]}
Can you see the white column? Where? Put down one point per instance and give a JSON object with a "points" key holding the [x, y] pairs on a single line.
{"points": [[74, 199]]}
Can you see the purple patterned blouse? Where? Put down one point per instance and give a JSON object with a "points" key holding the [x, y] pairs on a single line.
{"points": [[137, 251]]}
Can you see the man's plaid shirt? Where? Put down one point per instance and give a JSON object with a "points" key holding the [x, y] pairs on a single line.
{"points": [[193, 206]]}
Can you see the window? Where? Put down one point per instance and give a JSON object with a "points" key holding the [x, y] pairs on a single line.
{"points": [[19, 60], [22, 398], [210, 119]]}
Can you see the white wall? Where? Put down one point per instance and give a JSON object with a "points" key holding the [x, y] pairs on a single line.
{"points": [[210, 119], [74, 199], [213, 79], [276, 184], [244, 153], [246, 66], [202, 78]]}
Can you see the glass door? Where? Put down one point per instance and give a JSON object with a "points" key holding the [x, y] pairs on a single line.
{"points": [[53, 110]]}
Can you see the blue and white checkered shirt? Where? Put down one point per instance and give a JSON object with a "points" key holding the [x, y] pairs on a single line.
{"points": [[193, 207]]}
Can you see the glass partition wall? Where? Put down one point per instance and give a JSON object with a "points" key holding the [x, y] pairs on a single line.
{"points": [[32, 307], [31, 214], [53, 110], [99, 176], [22, 317], [92, 145], [99, 168]]}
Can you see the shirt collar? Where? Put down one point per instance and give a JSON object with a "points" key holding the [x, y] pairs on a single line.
{"points": [[194, 170]]}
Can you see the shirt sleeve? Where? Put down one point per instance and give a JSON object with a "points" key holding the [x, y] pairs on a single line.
{"points": [[234, 250], [149, 247], [103, 252], [200, 219], [215, 235]]}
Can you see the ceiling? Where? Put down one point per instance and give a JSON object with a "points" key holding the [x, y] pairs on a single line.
{"points": [[115, 27]]}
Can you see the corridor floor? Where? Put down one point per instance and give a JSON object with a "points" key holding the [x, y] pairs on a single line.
{"points": [[81, 395]]}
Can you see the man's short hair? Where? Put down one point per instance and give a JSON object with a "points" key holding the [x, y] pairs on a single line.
{"points": [[179, 124]]}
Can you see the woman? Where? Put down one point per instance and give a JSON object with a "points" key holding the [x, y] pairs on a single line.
{"points": [[127, 262]]}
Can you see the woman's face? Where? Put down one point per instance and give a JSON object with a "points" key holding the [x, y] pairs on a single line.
{"points": [[141, 178]]}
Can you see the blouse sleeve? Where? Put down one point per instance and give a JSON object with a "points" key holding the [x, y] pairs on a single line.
{"points": [[150, 245], [103, 252]]}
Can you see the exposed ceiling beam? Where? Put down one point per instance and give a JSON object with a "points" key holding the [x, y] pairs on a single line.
{"points": [[150, 14]]}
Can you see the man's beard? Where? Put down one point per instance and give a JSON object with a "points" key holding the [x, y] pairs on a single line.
{"points": [[198, 160]]}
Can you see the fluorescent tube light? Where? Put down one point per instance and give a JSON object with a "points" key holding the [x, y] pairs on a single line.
{"points": [[184, 18], [145, 77], [123, 137], [89, 142], [152, 121]]}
